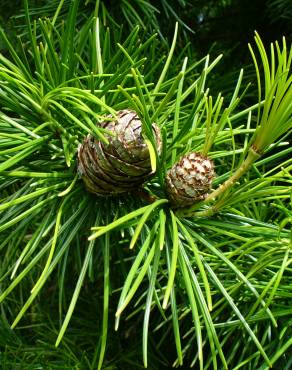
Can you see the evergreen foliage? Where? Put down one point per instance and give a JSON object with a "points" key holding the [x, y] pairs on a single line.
{"points": [[120, 281]]}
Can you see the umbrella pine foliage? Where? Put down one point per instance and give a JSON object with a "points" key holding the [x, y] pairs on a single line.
{"points": [[206, 284]]}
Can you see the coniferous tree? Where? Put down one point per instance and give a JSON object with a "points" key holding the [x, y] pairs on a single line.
{"points": [[196, 254]]}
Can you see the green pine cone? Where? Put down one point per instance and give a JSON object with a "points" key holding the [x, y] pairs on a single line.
{"points": [[189, 180], [121, 165]]}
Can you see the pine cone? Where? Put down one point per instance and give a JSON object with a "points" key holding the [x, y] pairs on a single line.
{"points": [[189, 180], [121, 165]]}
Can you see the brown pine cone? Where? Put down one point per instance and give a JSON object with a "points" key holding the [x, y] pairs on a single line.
{"points": [[121, 165], [189, 180]]}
